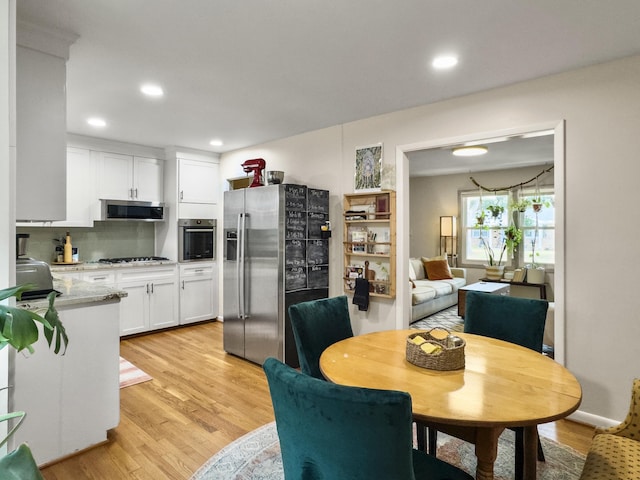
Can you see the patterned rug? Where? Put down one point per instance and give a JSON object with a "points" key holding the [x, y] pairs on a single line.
{"points": [[448, 319], [256, 456], [130, 374]]}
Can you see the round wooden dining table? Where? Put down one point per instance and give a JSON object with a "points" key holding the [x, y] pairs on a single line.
{"points": [[501, 385]]}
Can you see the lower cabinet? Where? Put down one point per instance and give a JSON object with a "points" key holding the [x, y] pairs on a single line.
{"points": [[152, 300], [71, 400], [198, 292]]}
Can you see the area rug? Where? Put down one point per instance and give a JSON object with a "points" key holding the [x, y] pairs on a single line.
{"points": [[130, 374], [256, 456], [448, 319]]}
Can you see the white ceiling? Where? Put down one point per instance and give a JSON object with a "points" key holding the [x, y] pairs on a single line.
{"points": [[250, 71]]}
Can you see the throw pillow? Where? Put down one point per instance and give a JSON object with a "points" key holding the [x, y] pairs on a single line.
{"points": [[437, 268]]}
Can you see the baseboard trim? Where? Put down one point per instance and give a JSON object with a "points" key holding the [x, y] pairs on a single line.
{"points": [[591, 419]]}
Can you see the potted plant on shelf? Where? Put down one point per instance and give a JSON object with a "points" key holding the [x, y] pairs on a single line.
{"points": [[19, 329], [494, 268]]}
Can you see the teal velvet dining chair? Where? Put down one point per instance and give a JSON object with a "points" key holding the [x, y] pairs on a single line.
{"points": [[515, 320], [316, 325], [330, 432]]}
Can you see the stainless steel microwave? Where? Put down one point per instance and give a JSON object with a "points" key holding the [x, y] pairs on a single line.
{"points": [[128, 210]]}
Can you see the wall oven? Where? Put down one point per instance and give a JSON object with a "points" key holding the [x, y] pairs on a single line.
{"points": [[196, 239]]}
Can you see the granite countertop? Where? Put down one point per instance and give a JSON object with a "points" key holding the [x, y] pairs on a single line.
{"points": [[74, 267], [75, 292]]}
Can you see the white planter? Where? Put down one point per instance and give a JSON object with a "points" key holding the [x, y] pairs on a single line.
{"points": [[535, 275], [494, 272]]}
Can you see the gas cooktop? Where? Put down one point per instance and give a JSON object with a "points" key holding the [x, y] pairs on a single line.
{"points": [[133, 259]]}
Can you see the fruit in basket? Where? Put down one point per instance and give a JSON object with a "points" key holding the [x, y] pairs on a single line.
{"points": [[418, 340], [431, 348]]}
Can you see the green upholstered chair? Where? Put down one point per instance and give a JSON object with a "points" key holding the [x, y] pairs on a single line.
{"points": [[316, 325], [512, 319], [330, 432]]}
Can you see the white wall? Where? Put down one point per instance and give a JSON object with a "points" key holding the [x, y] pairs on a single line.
{"points": [[7, 173], [599, 105]]}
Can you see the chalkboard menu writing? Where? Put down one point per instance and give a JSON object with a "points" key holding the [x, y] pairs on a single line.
{"points": [[295, 225], [317, 252], [306, 255], [318, 200], [318, 277], [315, 222], [295, 278], [295, 253], [295, 197]]}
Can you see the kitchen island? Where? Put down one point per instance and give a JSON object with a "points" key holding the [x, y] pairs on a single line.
{"points": [[71, 400]]}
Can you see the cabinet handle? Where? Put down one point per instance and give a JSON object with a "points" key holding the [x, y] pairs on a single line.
{"points": [[95, 279], [152, 288], [136, 190], [199, 270], [183, 284], [147, 289], [181, 194]]}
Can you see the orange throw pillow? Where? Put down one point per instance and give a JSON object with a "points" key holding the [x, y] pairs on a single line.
{"points": [[437, 269]]}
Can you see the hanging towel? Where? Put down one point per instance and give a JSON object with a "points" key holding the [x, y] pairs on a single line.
{"points": [[361, 294]]}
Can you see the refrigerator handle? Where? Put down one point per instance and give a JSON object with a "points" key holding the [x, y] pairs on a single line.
{"points": [[240, 267]]}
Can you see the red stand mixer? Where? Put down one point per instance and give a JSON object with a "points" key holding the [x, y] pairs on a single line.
{"points": [[257, 166]]}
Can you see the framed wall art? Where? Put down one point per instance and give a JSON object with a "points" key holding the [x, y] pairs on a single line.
{"points": [[368, 168]]}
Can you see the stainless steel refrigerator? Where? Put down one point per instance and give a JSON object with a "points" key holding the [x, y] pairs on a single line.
{"points": [[274, 256]]}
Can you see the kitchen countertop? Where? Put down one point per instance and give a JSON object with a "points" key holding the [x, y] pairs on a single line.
{"points": [[100, 265], [75, 292]]}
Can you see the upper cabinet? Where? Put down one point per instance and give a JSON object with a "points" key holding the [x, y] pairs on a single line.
{"points": [[82, 198], [198, 181], [125, 177], [41, 124]]}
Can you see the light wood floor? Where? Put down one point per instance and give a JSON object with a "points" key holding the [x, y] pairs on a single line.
{"points": [[200, 399]]}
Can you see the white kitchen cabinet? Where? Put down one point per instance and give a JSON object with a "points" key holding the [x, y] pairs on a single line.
{"points": [[198, 181], [198, 292], [125, 177], [71, 400], [82, 190], [40, 135], [101, 277], [152, 300]]}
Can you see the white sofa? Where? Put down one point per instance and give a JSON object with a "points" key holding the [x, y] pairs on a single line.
{"points": [[431, 296]]}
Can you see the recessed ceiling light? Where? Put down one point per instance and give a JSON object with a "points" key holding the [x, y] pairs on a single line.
{"points": [[470, 151], [152, 90], [444, 61], [96, 122], [216, 143]]}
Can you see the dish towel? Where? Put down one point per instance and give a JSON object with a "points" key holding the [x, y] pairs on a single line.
{"points": [[361, 294]]}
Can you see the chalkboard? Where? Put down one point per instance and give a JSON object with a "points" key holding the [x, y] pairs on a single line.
{"points": [[315, 221], [295, 253], [318, 277], [317, 252], [318, 200], [295, 197], [295, 225], [295, 278]]}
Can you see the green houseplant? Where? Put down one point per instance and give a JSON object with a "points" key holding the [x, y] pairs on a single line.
{"points": [[19, 329]]}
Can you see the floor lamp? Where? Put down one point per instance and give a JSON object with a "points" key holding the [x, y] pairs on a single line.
{"points": [[449, 239]]}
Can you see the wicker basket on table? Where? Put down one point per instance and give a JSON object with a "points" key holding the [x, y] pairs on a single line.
{"points": [[450, 357]]}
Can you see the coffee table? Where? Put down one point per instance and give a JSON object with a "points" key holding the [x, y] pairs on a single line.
{"points": [[485, 287]]}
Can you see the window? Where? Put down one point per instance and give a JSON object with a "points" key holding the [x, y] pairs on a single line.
{"points": [[491, 230], [538, 249], [545, 243]]}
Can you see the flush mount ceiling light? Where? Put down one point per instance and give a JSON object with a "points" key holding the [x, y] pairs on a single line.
{"points": [[152, 90], [216, 143], [444, 61], [472, 151], [96, 122]]}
